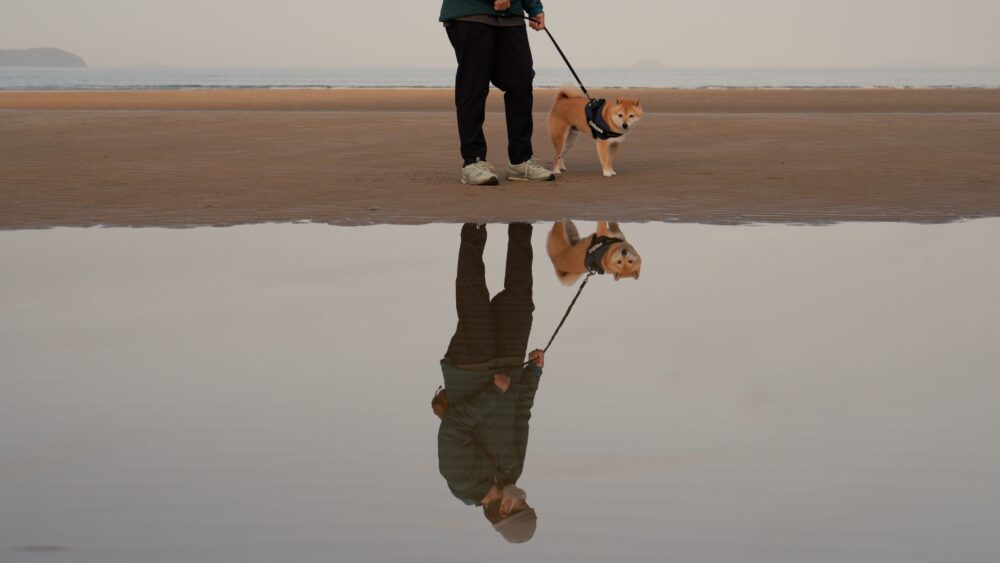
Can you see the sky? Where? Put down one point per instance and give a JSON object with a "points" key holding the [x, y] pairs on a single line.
{"points": [[406, 34]]}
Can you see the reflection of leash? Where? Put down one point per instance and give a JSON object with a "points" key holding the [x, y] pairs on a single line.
{"points": [[568, 309], [439, 403], [561, 54]]}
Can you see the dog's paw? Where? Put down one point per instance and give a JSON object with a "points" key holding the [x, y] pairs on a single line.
{"points": [[562, 167], [610, 173]]}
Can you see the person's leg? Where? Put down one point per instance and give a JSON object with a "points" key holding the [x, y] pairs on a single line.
{"points": [[474, 337], [513, 73], [513, 307], [474, 45]]}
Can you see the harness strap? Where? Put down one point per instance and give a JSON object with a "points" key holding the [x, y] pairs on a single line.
{"points": [[599, 128], [599, 246]]}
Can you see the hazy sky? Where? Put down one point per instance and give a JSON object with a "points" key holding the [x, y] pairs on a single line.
{"points": [[405, 33]]}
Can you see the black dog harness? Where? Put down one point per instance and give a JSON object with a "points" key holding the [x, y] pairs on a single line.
{"points": [[599, 128], [599, 246]]}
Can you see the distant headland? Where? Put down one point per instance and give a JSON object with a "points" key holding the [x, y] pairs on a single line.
{"points": [[41, 57]]}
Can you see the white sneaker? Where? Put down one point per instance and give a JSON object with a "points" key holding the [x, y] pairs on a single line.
{"points": [[479, 173], [530, 170]]}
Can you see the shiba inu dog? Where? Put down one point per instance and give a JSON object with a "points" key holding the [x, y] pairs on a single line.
{"points": [[568, 119], [573, 257]]}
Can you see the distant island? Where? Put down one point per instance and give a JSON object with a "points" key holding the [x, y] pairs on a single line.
{"points": [[41, 57]]}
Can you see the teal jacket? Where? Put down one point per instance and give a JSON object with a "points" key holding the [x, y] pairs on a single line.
{"points": [[484, 433], [451, 9]]}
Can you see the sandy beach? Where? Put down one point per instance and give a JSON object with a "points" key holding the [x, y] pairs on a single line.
{"points": [[226, 157]]}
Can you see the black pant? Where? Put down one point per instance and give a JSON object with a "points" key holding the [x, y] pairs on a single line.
{"points": [[500, 327], [500, 55]]}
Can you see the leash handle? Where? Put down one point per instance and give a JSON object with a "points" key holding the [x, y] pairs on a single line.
{"points": [[563, 55]]}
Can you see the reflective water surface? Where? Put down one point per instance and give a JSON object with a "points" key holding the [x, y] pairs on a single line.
{"points": [[263, 393]]}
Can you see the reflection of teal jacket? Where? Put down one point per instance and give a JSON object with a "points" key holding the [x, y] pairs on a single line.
{"points": [[451, 9], [484, 433]]}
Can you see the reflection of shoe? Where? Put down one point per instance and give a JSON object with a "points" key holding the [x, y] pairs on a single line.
{"points": [[479, 173], [529, 170], [474, 233]]}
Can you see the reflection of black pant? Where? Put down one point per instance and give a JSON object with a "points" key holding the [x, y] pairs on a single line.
{"points": [[500, 55], [500, 327]]}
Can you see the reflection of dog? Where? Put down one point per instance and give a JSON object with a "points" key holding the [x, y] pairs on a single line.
{"points": [[568, 118], [572, 256]]}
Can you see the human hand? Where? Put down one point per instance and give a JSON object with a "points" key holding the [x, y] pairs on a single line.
{"points": [[501, 5], [501, 380], [538, 22], [537, 356]]}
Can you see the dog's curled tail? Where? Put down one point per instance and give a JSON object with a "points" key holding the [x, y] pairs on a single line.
{"points": [[568, 90]]}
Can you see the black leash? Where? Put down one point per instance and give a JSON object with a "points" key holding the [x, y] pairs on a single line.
{"points": [[565, 316], [563, 55], [593, 111]]}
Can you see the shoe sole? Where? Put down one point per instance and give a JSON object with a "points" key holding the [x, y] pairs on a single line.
{"points": [[494, 181], [522, 179]]}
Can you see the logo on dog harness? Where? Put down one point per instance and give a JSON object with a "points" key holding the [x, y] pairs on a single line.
{"points": [[595, 119], [599, 246]]}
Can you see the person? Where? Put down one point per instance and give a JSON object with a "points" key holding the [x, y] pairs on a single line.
{"points": [[491, 45], [489, 389]]}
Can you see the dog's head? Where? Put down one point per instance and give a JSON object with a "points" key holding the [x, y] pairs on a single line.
{"points": [[625, 113], [622, 261]]}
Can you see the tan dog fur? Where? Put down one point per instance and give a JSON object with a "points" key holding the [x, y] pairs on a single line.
{"points": [[567, 120], [568, 252]]}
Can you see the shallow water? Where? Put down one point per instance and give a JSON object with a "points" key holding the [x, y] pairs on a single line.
{"points": [[183, 78], [260, 393]]}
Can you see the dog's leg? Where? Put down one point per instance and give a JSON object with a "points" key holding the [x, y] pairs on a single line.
{"points": [[602, 228], [571, 135], [572, 234], [558, 246], [558, 241], [558, 234], [567, 142], [558, 132], [615, 230], [604, 154], [612, 153]]}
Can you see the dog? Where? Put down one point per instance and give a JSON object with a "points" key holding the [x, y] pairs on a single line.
{"points": [[567, 119], [568, 252]]}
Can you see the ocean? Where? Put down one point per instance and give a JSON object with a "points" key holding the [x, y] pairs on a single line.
{"points": [[688, 78]]}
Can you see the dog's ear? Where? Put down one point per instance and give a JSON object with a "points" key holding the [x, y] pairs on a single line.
{"points": [[637, 102], [618, 276], [618, 101], [636, 274]]}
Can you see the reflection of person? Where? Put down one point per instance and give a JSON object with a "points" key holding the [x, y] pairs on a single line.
{"points": [[491, 45], [489, 391]]}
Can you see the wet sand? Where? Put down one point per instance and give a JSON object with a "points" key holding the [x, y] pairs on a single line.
{"points": [[225, 157]]}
